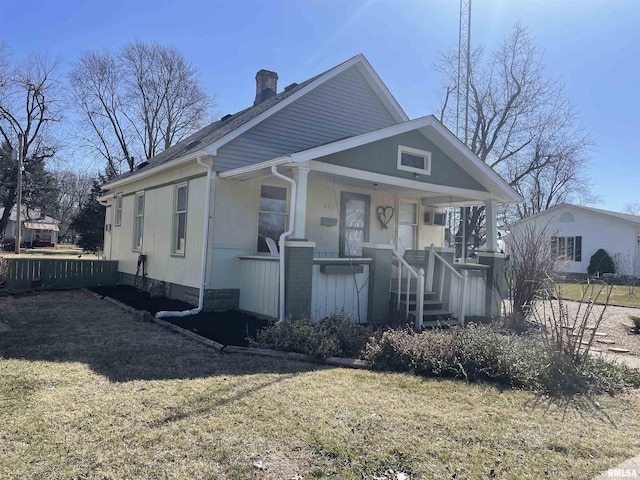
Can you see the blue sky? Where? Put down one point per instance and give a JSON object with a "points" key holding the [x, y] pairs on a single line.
{"points": [[591, 46]]}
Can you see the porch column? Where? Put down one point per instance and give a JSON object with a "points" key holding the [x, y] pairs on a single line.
{"points": [[496, 291], [379, 282], [300, 175], [491, 212]]}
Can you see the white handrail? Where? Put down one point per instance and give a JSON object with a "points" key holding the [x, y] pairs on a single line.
{"points": [[419, 276], [446, 264]]}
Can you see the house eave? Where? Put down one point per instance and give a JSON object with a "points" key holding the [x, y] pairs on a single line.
{"points": [[178, 162]]}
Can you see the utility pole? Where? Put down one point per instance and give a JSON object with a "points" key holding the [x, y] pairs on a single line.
{"points": [[19, 193]]}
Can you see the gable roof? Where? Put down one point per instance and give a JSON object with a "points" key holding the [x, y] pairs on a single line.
{"points": [[207, 140], [29, 214], [430, 126], [635, 219]]}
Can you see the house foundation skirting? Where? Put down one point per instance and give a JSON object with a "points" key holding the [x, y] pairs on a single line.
{"points": [[214, 299]]}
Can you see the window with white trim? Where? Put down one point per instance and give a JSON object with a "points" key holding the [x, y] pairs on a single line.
{"points": [[138, 221], [414, 160], [118, 218], [179, 219], [272, 216], [567, 248]]}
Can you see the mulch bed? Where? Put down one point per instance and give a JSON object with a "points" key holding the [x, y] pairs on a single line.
{"points": [[230, 327]]}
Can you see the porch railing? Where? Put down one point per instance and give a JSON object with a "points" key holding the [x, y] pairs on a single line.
{"points": [[410, 272], [437, 264]]}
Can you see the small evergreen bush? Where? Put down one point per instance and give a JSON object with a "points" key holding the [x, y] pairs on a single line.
{"points": [[601, 263]]}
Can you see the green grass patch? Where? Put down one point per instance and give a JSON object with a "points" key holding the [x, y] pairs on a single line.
{"points": [[620, 294], [87, 392]]}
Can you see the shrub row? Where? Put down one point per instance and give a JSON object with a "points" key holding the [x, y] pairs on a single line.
{"points": [[473, 353], [488, 353]]}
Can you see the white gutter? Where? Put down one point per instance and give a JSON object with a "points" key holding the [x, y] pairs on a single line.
{"points": [[292, 213], [205, 249]]}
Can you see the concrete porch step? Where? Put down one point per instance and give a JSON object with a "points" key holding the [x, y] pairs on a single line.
{"points": [[412, 295], [429, 305]]}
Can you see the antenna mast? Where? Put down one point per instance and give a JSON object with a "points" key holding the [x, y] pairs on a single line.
{"points": [[464, 71]]}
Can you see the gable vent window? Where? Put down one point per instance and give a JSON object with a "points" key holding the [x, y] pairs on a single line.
{"points": [[414, 160]]}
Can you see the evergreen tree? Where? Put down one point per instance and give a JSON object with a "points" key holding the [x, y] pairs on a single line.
{"points": [[90, 221]]}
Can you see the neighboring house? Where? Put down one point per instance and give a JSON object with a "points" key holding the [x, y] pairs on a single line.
{"points": [[38, 229], [576, 233], [334, 163]]}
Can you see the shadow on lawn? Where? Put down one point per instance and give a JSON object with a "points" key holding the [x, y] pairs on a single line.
{"points": [[74, 326]]}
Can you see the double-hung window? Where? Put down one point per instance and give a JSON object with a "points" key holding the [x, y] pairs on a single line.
{"points": [[138, 221], [118, 218], [414, 160], [567, 248], [272, 216], [180, 219]]}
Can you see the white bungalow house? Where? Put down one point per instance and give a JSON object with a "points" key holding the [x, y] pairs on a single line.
{"points": [[38, 229], [577, 232], [333, 172]]}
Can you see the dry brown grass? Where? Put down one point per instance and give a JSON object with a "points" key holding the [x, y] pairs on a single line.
{"points": [[86, 392]]}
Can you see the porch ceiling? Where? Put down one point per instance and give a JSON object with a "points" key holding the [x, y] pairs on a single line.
{"points": [[430, 195]]}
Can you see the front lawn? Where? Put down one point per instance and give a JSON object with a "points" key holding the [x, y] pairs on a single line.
{"points": [[86, 392], [619, 295]]}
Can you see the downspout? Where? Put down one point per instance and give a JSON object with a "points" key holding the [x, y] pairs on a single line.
{"points": [[205, 249], [292, 213]]}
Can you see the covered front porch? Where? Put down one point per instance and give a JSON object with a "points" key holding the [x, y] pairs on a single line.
{"points": [[361, 224]]}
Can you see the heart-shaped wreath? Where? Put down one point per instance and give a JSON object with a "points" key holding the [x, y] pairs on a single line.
{"points": [[385, 214]]}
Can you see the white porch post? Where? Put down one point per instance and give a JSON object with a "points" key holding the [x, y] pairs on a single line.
{"points": [[300, 175], [491, 212]]}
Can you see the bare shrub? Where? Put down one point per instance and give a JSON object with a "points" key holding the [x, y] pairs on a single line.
{"points": [[573, 332], [531, 264]]}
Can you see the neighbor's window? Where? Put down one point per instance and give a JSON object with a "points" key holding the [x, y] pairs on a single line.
{"points": [[118, 219], [180, 219], [414, 160], [272, 218], [567, 248], [138, 221]]}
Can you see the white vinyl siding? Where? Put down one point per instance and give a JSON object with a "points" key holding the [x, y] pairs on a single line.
{"points": [[180, 219]]}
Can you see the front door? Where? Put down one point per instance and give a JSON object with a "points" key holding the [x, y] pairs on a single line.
{"points": [[407, 226], [354, 223]]}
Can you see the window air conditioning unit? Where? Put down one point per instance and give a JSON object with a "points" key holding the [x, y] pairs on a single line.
{"points": [[435, 218]]}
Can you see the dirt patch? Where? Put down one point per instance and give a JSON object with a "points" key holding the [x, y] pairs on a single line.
{"points": [[230, 327]]}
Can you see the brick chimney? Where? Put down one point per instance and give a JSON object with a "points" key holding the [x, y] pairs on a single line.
{"points": [[266, 85]]}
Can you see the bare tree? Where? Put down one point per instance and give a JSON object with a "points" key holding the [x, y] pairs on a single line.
{"points": [[29, 95], [632, 208], [521, 124], [72, 188], [137, 102]]}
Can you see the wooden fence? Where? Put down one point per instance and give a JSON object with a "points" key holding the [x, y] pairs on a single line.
{"points": [[28, 273]]}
